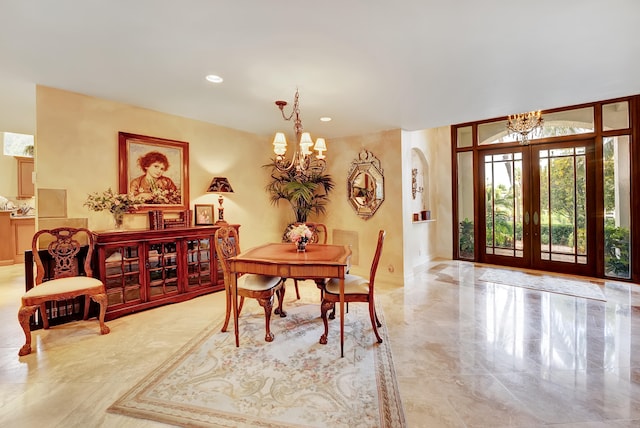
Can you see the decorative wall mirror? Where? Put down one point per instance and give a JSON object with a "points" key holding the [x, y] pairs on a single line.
{"points": [[365, 184]]}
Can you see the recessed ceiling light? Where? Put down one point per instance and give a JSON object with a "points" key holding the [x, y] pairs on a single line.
{"points": [[325, 119], [214, 79]]}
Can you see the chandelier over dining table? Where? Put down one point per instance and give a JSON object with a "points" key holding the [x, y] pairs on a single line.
{"points": [[302, 160]]}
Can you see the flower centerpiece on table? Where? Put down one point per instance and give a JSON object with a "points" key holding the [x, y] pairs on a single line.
{"points": [[116, 203], [300, 234]]}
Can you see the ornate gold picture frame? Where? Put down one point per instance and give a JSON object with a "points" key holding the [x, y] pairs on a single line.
{"points": [[155, 169]]}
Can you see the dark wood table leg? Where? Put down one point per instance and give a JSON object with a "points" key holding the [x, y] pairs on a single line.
{"points": [[342, 317], [234, 297]]}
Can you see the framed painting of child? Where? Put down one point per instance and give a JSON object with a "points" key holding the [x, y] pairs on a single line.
{"points": [[154, 169]]}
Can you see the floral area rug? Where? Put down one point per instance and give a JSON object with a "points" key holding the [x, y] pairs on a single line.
{"points": [[291, 382], [549, 283]]}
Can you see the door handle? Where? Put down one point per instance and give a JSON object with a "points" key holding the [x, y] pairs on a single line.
{"points": [[535, 218], [526, 217]]}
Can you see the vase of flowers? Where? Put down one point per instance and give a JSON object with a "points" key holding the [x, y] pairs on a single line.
{"points": [[118, 220], [116, 203], [300, 235]]}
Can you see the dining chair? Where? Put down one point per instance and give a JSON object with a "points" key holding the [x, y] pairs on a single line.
{"points": [[260, 287], [66, 279], [318, 236], [356, 289]]}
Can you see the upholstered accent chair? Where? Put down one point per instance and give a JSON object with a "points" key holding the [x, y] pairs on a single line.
{"points": [[67, 281], [356, 289], [260, 287]]}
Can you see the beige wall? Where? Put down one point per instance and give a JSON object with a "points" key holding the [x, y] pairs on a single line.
{"points": [[77, 150], [342, 218], [424, 241], [440, 153]]}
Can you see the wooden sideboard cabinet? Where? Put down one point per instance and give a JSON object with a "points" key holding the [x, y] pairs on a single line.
{"points": [[142, 269], [22, 230], [15, 237]]}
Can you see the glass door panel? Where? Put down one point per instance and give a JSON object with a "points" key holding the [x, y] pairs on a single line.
{"points": [[563, 209], [617, 206], [122, 274], [506, 222], [537, 209], [563, 203], [162, 268], [503, 204], [466, 237], [199, 257]]}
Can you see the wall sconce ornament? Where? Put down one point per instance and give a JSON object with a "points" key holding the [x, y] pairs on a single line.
{"points": [[365, 184], [220, 185], [414, 183]]}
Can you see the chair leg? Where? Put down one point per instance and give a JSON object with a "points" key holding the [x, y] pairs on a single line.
{"points": [[267, 304], [374, 320], [101, 299], [24, 313], [87, 301], [43, 315], [324, 307], [378, 323], [280, 309], [320, 283], [227, 316], [295, 282], [241, 305]]}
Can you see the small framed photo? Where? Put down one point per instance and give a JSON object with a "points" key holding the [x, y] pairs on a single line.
{"points": [[203, 215]]}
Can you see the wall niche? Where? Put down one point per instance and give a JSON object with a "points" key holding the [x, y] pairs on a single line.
{"points": [[420, 195]]}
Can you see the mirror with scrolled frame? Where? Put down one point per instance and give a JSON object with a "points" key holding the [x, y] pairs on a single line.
{"points": [[365, 184]]}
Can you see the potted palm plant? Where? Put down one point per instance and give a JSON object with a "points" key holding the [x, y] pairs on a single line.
{"points": [[306, 192]]}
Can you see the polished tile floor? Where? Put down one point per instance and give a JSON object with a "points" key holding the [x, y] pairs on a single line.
{"points": [[467, 353]]}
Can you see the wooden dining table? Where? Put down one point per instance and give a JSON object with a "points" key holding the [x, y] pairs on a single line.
{"points": [[318, 262]]}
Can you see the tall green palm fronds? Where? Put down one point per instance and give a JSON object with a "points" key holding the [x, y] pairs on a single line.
{"points": [[305, 192]]}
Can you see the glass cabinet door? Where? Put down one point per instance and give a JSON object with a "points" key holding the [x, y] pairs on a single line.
{"points": [[199, 257], [162, 268], [122, 274]]}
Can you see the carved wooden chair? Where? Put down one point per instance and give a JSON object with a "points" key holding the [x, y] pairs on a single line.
{"points": [[319, 233], [260, 287], [356, 289], [319, 236], [67, 282]]}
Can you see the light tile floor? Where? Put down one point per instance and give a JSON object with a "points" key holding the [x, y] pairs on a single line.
{"points": [[467, 354]]}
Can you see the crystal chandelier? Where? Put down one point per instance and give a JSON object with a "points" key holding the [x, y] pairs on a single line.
{"points": [[524, 124], [302, 159]]}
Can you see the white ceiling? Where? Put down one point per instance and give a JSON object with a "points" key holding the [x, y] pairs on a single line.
{"points": [[370, 64]]}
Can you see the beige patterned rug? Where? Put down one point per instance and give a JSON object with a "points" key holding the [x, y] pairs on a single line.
{"points": [[291, 382]]}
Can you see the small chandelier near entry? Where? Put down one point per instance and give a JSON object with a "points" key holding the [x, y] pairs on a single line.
{"points": [[302, 156], [524, 124]]}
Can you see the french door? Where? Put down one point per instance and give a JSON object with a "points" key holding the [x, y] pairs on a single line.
{"points": [[538, 205]]}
